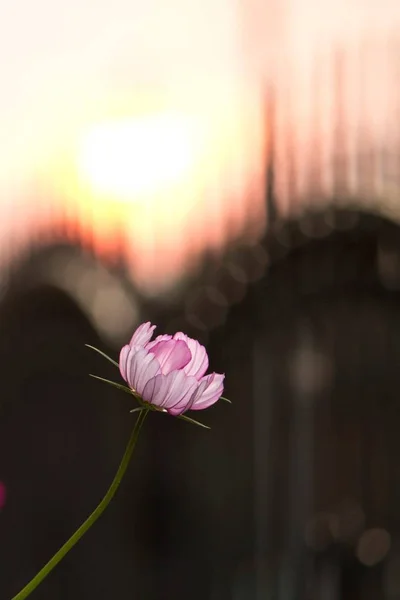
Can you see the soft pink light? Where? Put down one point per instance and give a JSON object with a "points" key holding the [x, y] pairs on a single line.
{"points": [[3, 495]]}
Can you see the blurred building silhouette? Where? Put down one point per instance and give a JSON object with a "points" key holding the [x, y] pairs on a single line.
{"points": [[294, 491]]}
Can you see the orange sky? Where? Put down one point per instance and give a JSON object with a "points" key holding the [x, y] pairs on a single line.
{"points": [[70, 70]]}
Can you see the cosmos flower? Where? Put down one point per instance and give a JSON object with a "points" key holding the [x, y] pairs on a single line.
{"points": [[165, 374], [169, 371]]}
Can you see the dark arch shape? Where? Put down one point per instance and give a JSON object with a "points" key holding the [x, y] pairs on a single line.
{"points": [[334, 275], [329, 251], [61, 437]]}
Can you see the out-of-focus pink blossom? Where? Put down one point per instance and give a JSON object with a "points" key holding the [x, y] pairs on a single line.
{"points": [[169, 372], [3, 495]]}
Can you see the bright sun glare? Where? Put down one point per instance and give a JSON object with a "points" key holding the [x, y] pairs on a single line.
{"points": [[128, 159]]}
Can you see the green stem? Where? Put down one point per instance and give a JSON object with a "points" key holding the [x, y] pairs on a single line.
{"points": [[32, 585]]}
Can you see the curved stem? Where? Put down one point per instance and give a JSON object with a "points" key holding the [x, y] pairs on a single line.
{"points": [[32, 585]]}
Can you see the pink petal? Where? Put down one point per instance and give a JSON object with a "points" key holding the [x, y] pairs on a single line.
{"points": [[172, 391], [199, 363], [123, 359], [172, 355], [141, 367], [142, 334], [157, 389], [210, 393], [159, 338], [3, 494], [184, 403], [199, 391]]}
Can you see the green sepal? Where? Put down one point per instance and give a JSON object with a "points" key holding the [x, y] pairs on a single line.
{"points": [[119, 386], [225, 399], [103, 354], [189, 420]]}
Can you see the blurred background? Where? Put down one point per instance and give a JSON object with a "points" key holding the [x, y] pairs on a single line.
{"points": [[230, 169]]}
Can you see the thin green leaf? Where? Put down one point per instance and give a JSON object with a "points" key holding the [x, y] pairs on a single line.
{"points": [[120, 387], [114, 383], [140, 408], [225, 399], [189, 420], [103, 354]]}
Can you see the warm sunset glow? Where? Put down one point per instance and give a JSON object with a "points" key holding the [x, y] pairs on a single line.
{"points": [[133, 130], [143, 128], [132, 158]]}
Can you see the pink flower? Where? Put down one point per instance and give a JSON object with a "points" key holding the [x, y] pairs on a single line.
{"points": [[169, 372], [3, 494]]}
